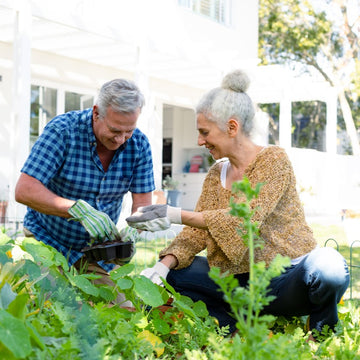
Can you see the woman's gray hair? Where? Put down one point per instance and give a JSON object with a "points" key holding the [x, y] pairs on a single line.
{"points": [[229, 101], [122, 95]]}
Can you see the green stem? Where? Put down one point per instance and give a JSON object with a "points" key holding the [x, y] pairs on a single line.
{"points": [[251, 272]]}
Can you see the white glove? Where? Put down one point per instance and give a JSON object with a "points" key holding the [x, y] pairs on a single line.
{"points": [[155, 217], [154, 273]]}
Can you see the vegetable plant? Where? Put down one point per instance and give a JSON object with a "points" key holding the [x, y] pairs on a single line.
{"points": [[49, 310]]}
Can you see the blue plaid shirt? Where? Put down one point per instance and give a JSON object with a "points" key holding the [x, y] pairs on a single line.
{"points": [[65, 160]]}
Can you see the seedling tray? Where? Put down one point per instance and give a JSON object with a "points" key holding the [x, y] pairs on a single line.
{"points": [[109, 250]]}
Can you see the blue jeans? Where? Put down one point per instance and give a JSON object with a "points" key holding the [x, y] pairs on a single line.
{"points": [[313, 286]]}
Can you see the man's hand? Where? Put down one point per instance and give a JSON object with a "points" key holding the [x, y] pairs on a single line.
{"points": [[154, 273], [155, 217], [98, 224], [127, 234]]}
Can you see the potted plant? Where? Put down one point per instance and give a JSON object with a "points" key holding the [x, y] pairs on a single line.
{"points": [[170, 186]]}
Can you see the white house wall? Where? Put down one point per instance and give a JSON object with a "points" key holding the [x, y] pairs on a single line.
{"points": [[73, 75], [181, 56], [318, 173]]}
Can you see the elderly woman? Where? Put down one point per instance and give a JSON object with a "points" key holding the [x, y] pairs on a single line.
{"points": [[317, 277]]}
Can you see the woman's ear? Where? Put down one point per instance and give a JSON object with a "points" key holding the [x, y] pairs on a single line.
{"points": [[233, 127]]}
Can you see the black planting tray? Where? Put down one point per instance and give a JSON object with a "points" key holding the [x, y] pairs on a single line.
{"points": [[110, 250]]}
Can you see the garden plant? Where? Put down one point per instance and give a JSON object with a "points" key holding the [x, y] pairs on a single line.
{"points": [[51, 311]]}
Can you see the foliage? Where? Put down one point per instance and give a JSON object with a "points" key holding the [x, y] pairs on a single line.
{"points": [[247, 303], [308, 124], [169, 183], [294, 32], [50, 311], [291, 30]]}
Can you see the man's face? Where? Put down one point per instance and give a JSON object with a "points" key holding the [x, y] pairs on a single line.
{"points": [[115, 128]]}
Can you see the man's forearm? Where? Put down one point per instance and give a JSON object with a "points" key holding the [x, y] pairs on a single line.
{"points": [[32, 193], [139, 200]]}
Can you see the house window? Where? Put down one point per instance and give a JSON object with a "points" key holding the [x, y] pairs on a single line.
{"points": [[217, 10], [43, 109], [75, 101], [45, 105]]}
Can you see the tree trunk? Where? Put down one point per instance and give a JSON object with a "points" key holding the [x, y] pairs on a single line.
{"points": [[349, 123]]}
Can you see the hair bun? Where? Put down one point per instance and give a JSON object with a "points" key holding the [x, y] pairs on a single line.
{"points": [[236, 80]]}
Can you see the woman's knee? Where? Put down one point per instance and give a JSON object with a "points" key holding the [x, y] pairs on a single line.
{"points": [[327, 270], [329, 262]]}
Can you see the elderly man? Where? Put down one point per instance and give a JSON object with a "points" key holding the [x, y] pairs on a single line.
{"points": [[81, 167]]}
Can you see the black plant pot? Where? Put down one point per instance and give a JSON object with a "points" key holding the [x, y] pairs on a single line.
{"points": [[110, 250]]}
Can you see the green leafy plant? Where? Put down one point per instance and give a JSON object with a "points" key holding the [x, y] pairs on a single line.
{"points": [[253, 335], [50, 311], [169, 183]]}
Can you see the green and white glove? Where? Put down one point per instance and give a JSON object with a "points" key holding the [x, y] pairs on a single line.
{"points": [[154, 273], [155, 217], [128, 234], [98, 224]]}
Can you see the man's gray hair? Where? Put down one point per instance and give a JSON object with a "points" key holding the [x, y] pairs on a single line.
{"points": [[229, 101], [122, 95]]}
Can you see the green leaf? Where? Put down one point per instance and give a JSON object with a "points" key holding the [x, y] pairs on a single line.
{"points": [[6, 296], [31, 269], [124, 284], [14, 335], [18, 307], [200, 309], [106, 293], [4, 239], [35, 336], [140, 320], [147, 291], [161, 326], [83, 284], [121, 271], [38, 251]]}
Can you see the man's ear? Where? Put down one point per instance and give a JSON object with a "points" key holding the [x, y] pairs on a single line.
{"points": [[233, 127], [95, 112]]}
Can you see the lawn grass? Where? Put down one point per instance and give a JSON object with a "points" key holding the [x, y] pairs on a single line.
{"points": [[334, 235]]}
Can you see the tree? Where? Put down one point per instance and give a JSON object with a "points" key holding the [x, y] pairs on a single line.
{"points": [[294, 32]]}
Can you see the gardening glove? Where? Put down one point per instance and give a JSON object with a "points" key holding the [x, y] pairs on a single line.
{"points": [[98, 224], [155, 217], [128, 234], [154, 273]]}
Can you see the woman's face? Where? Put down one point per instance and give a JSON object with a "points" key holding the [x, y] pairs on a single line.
{"points": [[212, 137]]}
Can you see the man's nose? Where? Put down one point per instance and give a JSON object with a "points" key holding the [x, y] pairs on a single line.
{"points": [[120, 138]]}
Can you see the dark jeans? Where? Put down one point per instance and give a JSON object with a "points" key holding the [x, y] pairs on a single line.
{"points": [[313, 286]]}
